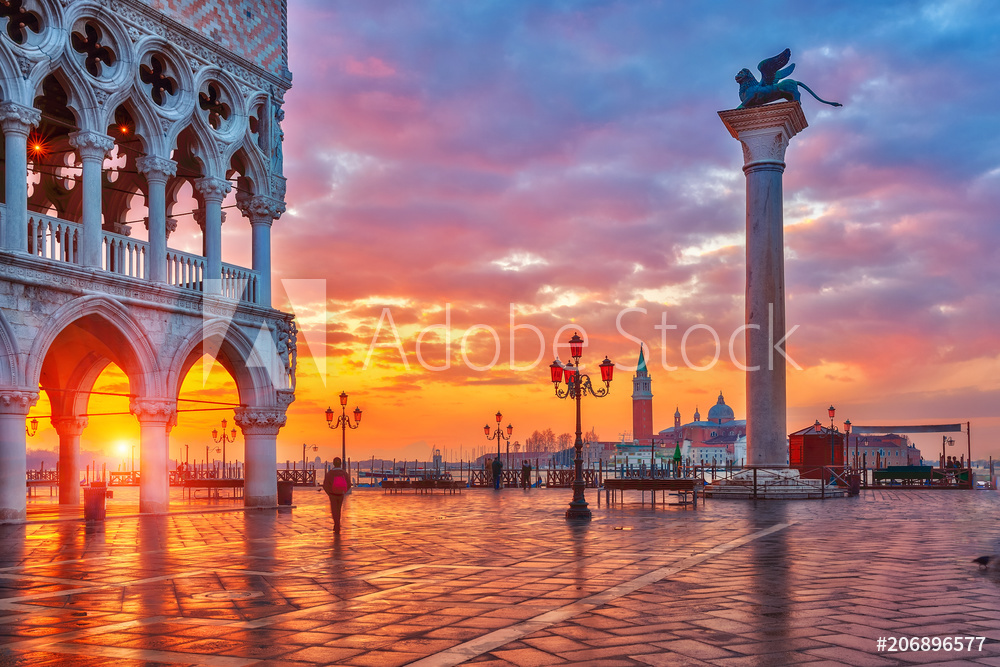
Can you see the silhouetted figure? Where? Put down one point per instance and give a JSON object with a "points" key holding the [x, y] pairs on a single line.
{"points": [[526, 474], [336, 483], [497, 472]]}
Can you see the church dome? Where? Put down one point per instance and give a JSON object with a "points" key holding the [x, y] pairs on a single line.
{"points": [[720, 412]]}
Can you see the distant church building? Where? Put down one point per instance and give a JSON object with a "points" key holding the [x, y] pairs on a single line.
{"points": [[642, 404], [720, 439]]}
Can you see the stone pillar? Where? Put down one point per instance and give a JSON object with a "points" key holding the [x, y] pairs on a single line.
{"points": [[14, 406], [16, 121], [158, 171], [69, 430], [764, 133], [262, 212], [156, 416], [212, 191], [260, 428], [92, 147]]}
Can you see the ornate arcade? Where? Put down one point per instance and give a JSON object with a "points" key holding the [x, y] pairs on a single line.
{"points": [[120, 124]]}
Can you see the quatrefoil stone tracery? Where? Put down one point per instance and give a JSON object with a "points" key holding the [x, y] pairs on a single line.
{"points": [[89, 45], [154, 74]]}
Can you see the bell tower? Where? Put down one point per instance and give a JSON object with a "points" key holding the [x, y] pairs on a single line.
{"points": [[642, 403]]}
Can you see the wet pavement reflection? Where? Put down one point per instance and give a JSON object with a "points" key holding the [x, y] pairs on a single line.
{"points": [[503, 578]]}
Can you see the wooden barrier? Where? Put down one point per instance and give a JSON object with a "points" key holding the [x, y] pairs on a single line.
{"points": [[681, 487]]}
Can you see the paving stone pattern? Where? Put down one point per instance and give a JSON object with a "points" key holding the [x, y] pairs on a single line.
{"points": [[501, 579]]}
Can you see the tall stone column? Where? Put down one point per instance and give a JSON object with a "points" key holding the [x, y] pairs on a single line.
{"points": [[69, 430], [158, 171], [764, 133], [260, 428], [17, 121], [92, 147], [14, 406], [262, 212], [212, 191], [155, 417]]}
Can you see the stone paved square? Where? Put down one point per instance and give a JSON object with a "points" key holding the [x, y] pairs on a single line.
{"points": [[503, 579]]}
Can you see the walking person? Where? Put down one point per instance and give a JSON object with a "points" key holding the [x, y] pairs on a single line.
{"points": [[336, 483], [526, 474], [497, 472]]}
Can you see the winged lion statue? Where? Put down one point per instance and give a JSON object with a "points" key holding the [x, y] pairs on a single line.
{"points": [[772, 85]]}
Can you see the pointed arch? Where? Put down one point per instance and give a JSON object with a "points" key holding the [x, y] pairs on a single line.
{"points": [[229, 344], [9, 375], [102, 317]]}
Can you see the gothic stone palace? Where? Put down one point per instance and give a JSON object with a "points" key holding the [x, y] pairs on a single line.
{"points": [[112, 105]]}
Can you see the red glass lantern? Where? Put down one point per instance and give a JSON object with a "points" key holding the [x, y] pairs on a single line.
{"points": [[343, 398], [556, 370], [486, 429], [607, 370], [510, 429], [223, 424], [357, 414], [576, 346], [498, 416], [232, 434], [215, 434], [831, 411], [847, 427], [329, 415], [569, 373], [818, 427]]}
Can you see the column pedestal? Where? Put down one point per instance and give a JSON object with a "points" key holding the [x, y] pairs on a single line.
{"points": [[69, 430], [155, 417], [260, 428], [14, 406], [764, 133]]}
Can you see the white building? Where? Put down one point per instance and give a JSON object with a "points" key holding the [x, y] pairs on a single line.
{"points": [[110, 102]]}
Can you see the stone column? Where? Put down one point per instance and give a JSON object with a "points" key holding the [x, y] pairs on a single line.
{"points": [[17, 121], [14, 406], [158, 171], [262, 212], [69, 430], [155, 417], [92, 147], [764, 133], [260, 428], [212, 191]]}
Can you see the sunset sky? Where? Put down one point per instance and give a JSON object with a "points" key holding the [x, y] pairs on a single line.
{"points": [[564, 162]]}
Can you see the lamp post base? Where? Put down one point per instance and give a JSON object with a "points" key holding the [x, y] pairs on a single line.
{"points": [[578, 510]]}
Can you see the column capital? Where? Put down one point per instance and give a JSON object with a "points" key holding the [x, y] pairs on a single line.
{"points": [[17, 118], [69, 426], [156, 169], [260, 209], [212, 189], [91, 145], [17, 401], [765, 131], [260, 420], [153, 410]]}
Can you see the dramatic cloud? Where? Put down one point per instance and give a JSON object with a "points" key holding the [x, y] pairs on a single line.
{"points": [[566, 157]]}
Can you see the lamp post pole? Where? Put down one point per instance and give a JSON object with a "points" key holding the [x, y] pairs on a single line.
{"points": [[224, 438], [343, 423], [577, 385], [499, 436]]}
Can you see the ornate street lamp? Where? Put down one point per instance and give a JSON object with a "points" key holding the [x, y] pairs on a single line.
{"points": [[224, 438], [30, 431], [498, 435], [343, 423], [577, 385]]}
